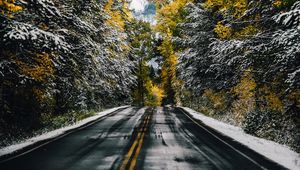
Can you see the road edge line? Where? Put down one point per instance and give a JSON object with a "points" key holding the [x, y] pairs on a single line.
{"points": [[232, 147]]}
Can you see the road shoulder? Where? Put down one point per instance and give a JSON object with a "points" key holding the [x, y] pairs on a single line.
{"points": [[276, 152], [38, 141]]}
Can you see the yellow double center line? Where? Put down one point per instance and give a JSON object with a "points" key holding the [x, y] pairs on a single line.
{"points": [[138, 142]]}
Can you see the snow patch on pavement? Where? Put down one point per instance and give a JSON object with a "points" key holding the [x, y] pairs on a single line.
{"points": [[52, 134], [272, 150]]}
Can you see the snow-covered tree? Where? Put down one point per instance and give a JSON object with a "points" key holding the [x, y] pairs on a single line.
{"points": [[240, 62], [62, 56]]}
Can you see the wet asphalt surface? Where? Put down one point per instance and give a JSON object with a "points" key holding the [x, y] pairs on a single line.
{"points": [[142, 138]]}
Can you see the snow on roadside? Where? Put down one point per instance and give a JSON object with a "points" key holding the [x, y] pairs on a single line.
{"points": [[272, 150], [55, 133]]}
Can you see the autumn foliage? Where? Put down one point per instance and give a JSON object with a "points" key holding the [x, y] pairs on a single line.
{"points": [[8, 7]]}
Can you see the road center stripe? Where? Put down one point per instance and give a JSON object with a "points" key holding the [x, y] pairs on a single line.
{"points": [[138, 142]]}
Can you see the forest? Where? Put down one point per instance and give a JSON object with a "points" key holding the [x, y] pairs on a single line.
{"points": [[237, 61]]}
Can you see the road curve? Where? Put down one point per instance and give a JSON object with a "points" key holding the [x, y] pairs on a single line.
{"points": [[142, 138]]}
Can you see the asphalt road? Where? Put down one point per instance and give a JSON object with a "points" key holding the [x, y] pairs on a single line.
{"points": [[142, 138]]}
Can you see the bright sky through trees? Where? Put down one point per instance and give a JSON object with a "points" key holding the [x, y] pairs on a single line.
{"points": [[138, 5], [143, 10]]}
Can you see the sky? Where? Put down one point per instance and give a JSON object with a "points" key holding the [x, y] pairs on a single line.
{"points": [[138, 5], [143, 10]]}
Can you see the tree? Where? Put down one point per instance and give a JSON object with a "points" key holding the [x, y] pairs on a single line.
{"points": [[146, 92], [59, 57], [168, 16], [239, 62]]}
